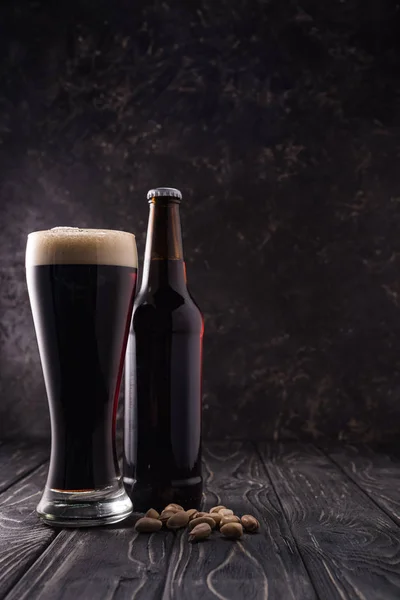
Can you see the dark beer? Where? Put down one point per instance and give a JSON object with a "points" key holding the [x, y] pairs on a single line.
{"points": [[162, 461], [81, 286]]}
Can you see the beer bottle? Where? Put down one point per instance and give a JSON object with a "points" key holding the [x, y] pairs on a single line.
{"points": [[163, 371]]}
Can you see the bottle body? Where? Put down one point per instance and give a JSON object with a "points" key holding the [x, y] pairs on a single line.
{"points": [[163, 387]]}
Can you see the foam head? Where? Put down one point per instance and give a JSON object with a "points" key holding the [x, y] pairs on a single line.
{"points": [[71, 245]]}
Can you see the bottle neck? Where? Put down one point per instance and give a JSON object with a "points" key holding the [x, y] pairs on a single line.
{"points": [[163, 258]]}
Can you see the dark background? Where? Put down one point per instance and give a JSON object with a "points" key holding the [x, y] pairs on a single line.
{"points": [[279, 121]]}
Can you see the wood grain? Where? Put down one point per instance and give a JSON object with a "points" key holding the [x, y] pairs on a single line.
{"points": [[375, 471], [22, 536], [19, 458], [101, 563], [260, 566], [314, 521], [350, 547], [124, 565]]}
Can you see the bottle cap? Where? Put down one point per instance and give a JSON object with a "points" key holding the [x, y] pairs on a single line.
{"points": [[164, 192]]}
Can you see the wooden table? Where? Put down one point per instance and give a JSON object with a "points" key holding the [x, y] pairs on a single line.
{"points": [[329, 530]]}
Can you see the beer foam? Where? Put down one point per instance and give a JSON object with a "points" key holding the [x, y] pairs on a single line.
{"points": [[71, 245]]}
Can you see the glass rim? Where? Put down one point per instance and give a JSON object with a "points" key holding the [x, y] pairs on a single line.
{"points": [[75, 230]]}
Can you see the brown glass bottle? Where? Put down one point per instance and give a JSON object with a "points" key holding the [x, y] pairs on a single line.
{"points": [[163, 371]]}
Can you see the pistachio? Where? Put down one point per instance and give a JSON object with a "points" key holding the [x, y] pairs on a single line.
{"points": [[178, 520], [201, 514], [225, 512], [216, 509], [229, 519], [200, 532], [233, 531], [250, 523], [173, 507], [148, 525], [216, 517], [165, 515], [191, 513], [204, 514], [198, 520], [152, 514]]}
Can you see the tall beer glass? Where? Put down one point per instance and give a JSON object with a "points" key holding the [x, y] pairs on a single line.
{"points": [[81, 285]]}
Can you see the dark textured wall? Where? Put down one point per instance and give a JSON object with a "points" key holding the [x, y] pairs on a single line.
{"points": [[280, 122]]}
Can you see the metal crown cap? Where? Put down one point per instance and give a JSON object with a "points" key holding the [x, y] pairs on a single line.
{"points": [[164, 191]]}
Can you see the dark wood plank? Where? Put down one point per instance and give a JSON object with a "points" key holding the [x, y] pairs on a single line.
{"points": [[376, 471], [351, 547], [101, 563], [116, 563], [17, 459], [22, 536], [265, 565]]}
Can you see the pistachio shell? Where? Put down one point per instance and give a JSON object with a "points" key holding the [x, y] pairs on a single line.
{"points": [[233, 531], [191, 513], [178, 520], [152, 514], [199, 520], [217, 518], [229, 519], [200, 532], [173, 507], [216, 508], [225, 512], [148, 525], [250, 523], [165, 515]]}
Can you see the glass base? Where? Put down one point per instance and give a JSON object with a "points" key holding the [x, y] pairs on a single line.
{"points": [[103, 506]]}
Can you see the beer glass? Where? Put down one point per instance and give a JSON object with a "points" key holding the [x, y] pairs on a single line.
{"points": [[81, 285]]}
